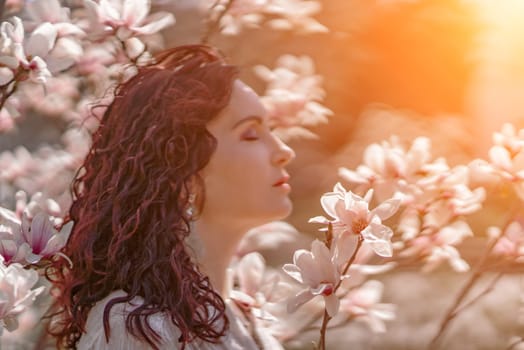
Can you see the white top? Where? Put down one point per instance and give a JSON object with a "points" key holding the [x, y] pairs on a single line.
{"points": [[237, 337]]}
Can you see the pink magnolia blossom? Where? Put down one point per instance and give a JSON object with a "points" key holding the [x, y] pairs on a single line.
{"points": [[42, 237], [36, 204], [31, 238], [391, 170], [294, 93], [279, 15], [438, 244], [60, 95], [270, 236], [257, 286], [451, 187], [351, 215], [240, 14], [12, 249], [16, 50], [9, 113], [96, 58], [50, 11], [363, 304], [509, 138], [317, 270], [16, 293], [67, 48], [511, 243], [125, 18], [296, 15], [15, 164], [506, 160]]}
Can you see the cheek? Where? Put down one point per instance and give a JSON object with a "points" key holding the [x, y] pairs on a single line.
{"points": [[237, 176]]}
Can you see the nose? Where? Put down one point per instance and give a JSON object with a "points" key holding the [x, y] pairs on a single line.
{"points": [[283, 154]]}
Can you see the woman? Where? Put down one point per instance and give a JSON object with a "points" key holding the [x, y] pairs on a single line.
{"points": [[183, 154]]}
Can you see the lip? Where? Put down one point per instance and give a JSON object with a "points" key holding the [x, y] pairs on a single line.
{"points": [[282, 181]]}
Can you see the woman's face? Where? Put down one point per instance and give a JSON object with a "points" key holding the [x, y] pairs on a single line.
{"points": [[245, 179]]}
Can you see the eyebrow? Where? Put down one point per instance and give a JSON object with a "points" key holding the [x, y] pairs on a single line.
{"points": [[256, 118]]}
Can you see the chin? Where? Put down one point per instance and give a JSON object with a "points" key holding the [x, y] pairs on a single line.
{"points": [[277, 211], [284, 209]]}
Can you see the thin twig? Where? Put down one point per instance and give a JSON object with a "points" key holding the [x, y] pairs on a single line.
{"points": [[327, 318], [477, 272], [451, 314], [213, 25], [488, 289]]}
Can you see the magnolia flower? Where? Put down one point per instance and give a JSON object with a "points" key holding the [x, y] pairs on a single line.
{"points": [[125, 18], [293, 93], [363, 303], [511, 244], [240, 14], [16, 51], [42, 237], [257, 286], [317, 270], [16, 164], [281, 15], [10, 112], [295, 15], [389, 169], [11, 248], [60, 95], [270, 236], [351, 215], [506, 159], [16, 293], [438, 245], [50, 11], [30, 239], [509, 138]]}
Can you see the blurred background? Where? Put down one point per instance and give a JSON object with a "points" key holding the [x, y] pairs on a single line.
{"points": [[451, 70]]}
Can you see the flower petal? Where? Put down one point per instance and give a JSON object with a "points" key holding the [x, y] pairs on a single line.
{"points": [[332, 304], [386, 209], [298, 300]]}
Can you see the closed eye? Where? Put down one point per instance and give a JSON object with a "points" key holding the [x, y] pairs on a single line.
{"points": [[251, 134]]}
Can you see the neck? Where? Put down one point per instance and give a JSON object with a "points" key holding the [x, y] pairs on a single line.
{"points": [[218, 245]]}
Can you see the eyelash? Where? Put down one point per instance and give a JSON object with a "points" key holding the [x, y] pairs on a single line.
{"points": [[247, 135]]}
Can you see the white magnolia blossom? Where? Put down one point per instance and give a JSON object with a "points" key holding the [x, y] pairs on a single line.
{"points": [[435, 198], [317, 270], [9, 113], [510, 242], [270, 236], [51, 11], [296, 14], [293, 94], [350, 215], [437, 245], [16, 293], [58, 98], [363, 304], [125, 18], [16, 50], [256, 286], [240, 15], [277, 14], [389, 169], [506, 159], [28, 239]]}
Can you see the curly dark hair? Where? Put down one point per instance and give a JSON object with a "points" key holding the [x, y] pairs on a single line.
{"points": [[130, 201]]}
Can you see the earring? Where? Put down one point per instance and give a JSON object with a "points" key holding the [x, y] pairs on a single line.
{"points": [[192, 240], [191, 207]]}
